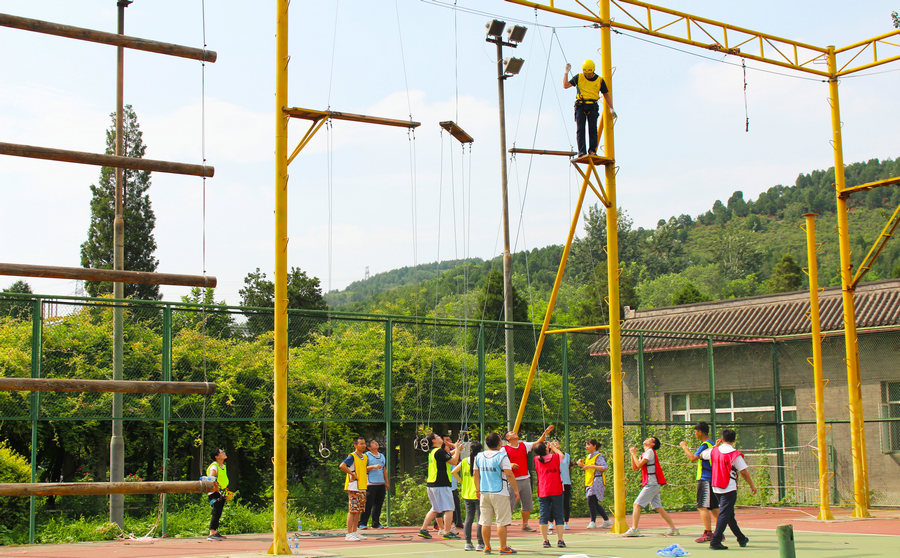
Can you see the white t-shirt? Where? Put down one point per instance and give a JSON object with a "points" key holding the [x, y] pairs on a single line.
{"points": [[737, 466], [651, 467]]}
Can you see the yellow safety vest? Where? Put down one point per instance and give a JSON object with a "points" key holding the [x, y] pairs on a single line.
{"points": [[360, 465], [432, 467], [590, 473], [221, 474], [588, 90]]}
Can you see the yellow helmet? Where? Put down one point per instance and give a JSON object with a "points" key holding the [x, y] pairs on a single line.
{"points": [[588, 66]]}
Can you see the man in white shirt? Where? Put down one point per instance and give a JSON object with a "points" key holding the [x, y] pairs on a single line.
{"points": [[493, 476], [727, 462]]}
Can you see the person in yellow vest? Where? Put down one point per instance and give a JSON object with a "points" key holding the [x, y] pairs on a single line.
{"points": [[356, 468], [594, 467], [589, 86], [218, 470], [440, 491]]}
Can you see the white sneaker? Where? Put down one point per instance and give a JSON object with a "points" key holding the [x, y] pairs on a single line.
{"points": [[350, 537], [607, 523], [672, 533], [360, 536], [632, 533], [550, 527], [479, 547], [592, 525]]}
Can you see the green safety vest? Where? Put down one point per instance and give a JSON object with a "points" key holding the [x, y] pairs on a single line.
{"points": [[708, 445], [221, 476], [432, 467]]}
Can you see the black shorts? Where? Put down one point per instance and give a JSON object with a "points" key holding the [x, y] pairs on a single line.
{"points": [[706, 498]]}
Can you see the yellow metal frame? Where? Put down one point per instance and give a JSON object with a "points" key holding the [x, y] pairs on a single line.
{"points": [[680, 27], [886, 233]]}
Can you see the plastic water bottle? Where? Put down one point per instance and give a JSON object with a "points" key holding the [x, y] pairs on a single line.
{"points": [[299, 525]]}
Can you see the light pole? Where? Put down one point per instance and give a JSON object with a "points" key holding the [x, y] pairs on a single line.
{"points": [[506, 68]]}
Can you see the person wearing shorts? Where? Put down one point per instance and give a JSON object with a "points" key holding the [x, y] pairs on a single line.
{"points": [[493, 478], [652, 479], [440, 493], [707, 500], [355, 466], [517, 451], [550, 490]]}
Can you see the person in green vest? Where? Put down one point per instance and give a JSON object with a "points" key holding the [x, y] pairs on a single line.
{"points": [[217, 470], [707, 501], [470, 497], [439, 487], [356, 468]]}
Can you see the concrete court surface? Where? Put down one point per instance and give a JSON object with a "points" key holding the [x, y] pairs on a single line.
{"points": [[844, 537]]}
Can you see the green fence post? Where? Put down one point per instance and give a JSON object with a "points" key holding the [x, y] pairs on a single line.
{"points": [[779, 434], [832, 461], [388, 408], [565, 389], [166, 404], [785, 534], [642, 387], [37, 320], [481, 379], [712, 386]]}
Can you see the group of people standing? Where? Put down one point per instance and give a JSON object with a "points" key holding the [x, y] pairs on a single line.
{"points": [[495, 479]]}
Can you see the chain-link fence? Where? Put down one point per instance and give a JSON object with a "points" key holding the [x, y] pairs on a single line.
{"points": [[396, 378]]}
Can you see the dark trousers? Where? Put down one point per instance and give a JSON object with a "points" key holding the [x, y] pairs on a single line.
{"points": [[374, 501], [586, 112], [596, 507], [473, 509], [217, 501], [726, 517], [457, 517], [567, 501]]}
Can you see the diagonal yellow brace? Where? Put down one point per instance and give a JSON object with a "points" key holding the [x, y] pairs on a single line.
{"points": [[313, 128], [601, 193], [876, 249]]}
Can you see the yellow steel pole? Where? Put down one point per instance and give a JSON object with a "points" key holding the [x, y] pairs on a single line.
{"points": [[556, 283], [857, 427], [824, 510], [612, 250], [279, 460]]}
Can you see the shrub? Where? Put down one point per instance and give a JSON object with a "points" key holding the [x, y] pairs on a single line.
{"points": [[410, 501], [14, 468]]}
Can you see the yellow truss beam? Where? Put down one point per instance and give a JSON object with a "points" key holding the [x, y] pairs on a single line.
{"points": [[876, 249], [870, 185], [708, 34]]}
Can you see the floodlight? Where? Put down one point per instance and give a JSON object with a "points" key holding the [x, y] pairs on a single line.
{"points": [[512, 66], [517, 33], [495, 28]]}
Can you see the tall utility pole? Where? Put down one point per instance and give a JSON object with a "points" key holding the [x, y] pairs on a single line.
{"points": [[116, 442], [506, 69]]}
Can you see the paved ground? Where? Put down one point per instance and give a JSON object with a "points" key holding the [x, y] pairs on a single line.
{"points": [[844, 537]]}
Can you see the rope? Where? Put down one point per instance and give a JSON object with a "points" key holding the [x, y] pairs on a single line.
{"points": [[203, 297], [337, 6], [746, 113]]}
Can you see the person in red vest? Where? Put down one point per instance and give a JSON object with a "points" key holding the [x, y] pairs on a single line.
{"points": [[652, 479], [517, 450], [727, 462]]}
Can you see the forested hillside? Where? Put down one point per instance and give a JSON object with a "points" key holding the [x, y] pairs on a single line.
{"points": [[737, 248]]}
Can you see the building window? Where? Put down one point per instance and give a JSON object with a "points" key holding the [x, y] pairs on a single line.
{"points": [[757, 408], [890, 408]]}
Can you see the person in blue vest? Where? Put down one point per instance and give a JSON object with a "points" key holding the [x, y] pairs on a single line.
{"points": [[727, 462], [589, 87], [356, 468], [377, 486], [439, 487], [494, 479], [707, 501]]}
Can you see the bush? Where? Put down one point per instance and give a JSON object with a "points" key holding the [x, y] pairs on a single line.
{"points": [[410, 501], [14, 468]]}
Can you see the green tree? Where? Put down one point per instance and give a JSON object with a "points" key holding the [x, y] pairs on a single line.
{"points": [[16, 308], [737, 205], [216, 322], [303, 293], [140, 245], [688, 294], [787, 276], [490, 300], [736, 253], [896, 18]]}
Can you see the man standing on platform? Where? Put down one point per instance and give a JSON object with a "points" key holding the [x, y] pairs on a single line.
{"points": [[589, 87], [727, 462]]}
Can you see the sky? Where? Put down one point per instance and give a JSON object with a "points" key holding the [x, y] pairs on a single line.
{"points": [[365, 197]]}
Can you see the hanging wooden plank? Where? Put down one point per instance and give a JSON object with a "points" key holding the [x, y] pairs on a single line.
{"points": [[103, 488], [66, 155], [542, 152], [82, 34], [314, 115], [106, 386], [456, 131], [110, 275]]}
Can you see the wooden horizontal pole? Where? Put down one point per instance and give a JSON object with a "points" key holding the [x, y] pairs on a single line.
{"points": [[82, 34], [308, 114], [49, 153], [106, 386], [103, 488], [542, 152], [461, 135], [114, 276]]}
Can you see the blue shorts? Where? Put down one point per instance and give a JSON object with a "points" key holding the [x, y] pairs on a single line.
{"points": [[441, 498], [551, 509]]}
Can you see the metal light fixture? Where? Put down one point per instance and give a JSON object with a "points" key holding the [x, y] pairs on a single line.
{"points": [[516, 34], [512, 66], [495, 28]]}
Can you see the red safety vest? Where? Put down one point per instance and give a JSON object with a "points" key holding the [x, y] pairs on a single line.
{"points": [[721, 466], [518, 455], [660, 477]]}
